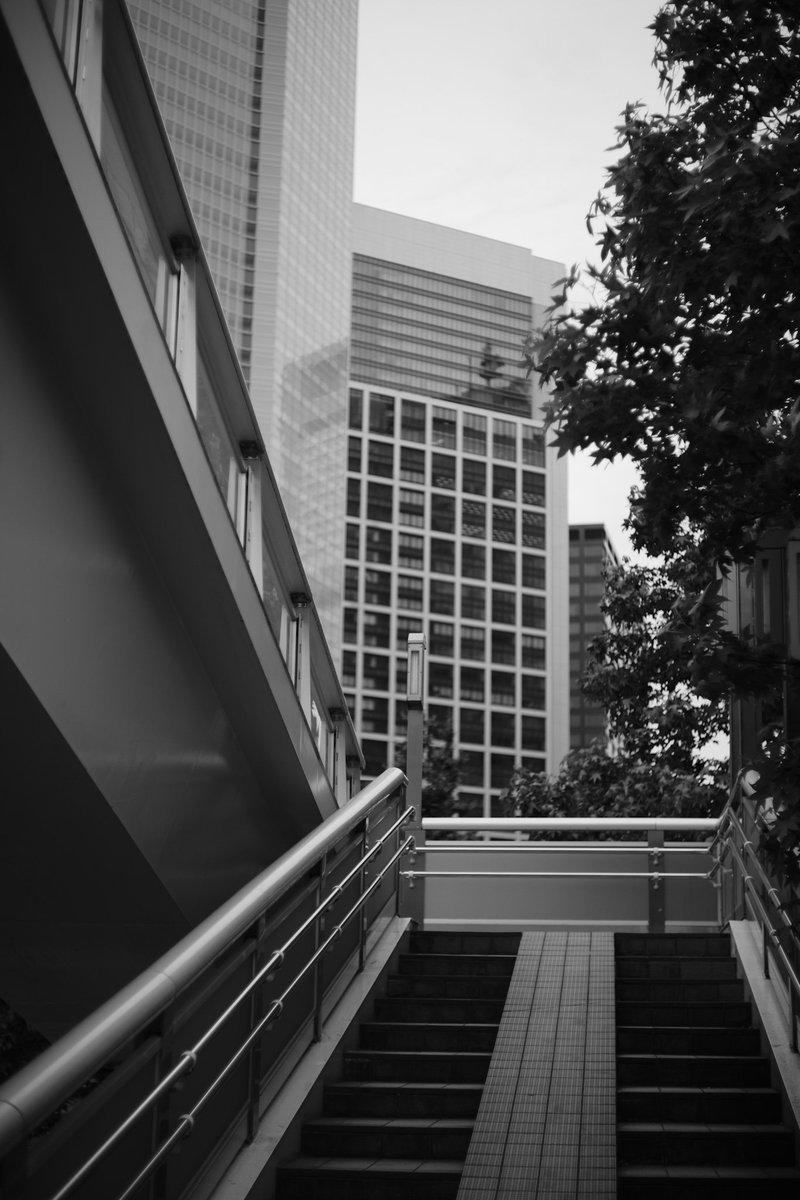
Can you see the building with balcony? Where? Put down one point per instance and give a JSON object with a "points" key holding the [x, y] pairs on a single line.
{"points": [[258, 99], [172, 717], [456, 508], [590, 552]]}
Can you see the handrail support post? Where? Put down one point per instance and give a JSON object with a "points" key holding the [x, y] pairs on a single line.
{"points": [[657, 882]]}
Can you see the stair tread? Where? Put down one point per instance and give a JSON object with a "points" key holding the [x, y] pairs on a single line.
{"points": [[380, 1053], [716, 1127], [392, 1122], [437, 1166], [691, 1089], [686, 1171]]}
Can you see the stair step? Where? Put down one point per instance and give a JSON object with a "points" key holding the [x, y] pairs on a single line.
{"points": [[672, 991], [424, 1035], [457, 964], [672, 967], [387, 1137], [439, 1009], [732, 1014], [369, 1179], [679, 945], [707, 1183], [701, 1070], [416, 1066], [367, 1098], [683, 1039], [486, 987], [674, 1143], [701, 1105]]}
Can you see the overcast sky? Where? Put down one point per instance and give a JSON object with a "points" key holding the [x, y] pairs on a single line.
{"points": [[495, 117]]}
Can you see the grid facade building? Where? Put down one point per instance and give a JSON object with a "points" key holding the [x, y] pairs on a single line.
{"points": [[590, 553], [258, 97], [456, 508]]}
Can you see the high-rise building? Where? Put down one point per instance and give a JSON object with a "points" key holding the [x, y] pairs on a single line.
{"points": [[457, 520], [258, 97], [590, 552]]}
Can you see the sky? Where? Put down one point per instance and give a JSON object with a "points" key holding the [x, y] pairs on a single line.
{"points": [[498, 117]]}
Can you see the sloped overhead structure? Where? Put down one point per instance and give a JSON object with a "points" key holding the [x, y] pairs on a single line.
{"points": [[173, 719]]}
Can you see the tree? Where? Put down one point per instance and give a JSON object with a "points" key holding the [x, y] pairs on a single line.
{"points": [[589, 783], [688, 361], [440, 770], [643, 679]]}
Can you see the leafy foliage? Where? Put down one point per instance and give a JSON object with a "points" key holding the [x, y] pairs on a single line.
{"points": [[589, 783], [688, 358], [440, 770], [641, 671]]}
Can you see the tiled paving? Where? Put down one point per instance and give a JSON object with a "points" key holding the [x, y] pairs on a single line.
{"points": [[546, 1124]]}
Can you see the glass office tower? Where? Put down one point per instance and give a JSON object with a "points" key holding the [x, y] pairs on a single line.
{"points": [[258, 97], [590, 553], [456, 508]]}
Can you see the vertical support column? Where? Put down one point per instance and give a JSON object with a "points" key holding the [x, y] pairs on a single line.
{"points": [[412, 902], [184, 346], [337, 716], [253, 541], [302, 683], [657, 882]]}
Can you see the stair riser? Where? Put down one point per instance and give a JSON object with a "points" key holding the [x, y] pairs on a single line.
{"points": [[639, 945], [434, 1068], [500, 966], [466, 943], [454, 1038], [700, 1109], [439, 1010], [732, 1016], [366, 1185], [690, 1147], [706, 1187], [692, 1071], [451, 987], [361, 1142], [676, 968], [437, 1104], [678, 991]]}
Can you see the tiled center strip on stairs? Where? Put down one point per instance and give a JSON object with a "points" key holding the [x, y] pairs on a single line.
{"points": [[546, 1126]]}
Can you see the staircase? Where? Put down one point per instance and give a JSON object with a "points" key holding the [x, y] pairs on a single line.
{"points": [[403, 1114], [696, 1114]]}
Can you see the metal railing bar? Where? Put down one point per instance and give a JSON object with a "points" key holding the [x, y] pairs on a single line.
{"points": [[30, 1095], [558, 847], [660, 875], [569, 823], [186, 1122]]}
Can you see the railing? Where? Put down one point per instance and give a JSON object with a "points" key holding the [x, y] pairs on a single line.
{"points": [[747, 891], [195, 1041]]}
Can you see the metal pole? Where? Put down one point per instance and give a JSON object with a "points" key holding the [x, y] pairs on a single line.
{"points": [[413, 899], [657, 898]]}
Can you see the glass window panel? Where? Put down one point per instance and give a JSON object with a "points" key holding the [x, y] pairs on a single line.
{"points": [[473, 518], [354, 454], [376, 757], [533, 531], [443, 514], [504, 483], [409, 591], [444, 428], [374, 714], [353, 497], [381, 414], [412, 465], [533, 611], [474, 433], [440, 638], [440, 680], [471, 767], [376, 629], [533, 691], [410, 548], [470, 804], [533, 763], [473, 561], [534, 571], [504, 646], [473, 642], [504, 607], [351, 583], [532, 447], [381, 459], [377, 587], [473, 602], [379, 502], [504, 439], [503, 729], [405, 626], [443, 471], [503, 688], [442, 597], [351, 624], [441, 715], [412, 421], [504, 566], [472, 725], [400, 717], [472, 684], [375, 672], [502, 768], [412, 508], [533, 488], [223, 454], [533, 650], [473, 477], [378, 545], [349, 668], [353, 541], [504, 524], [356, 408], [443, 556], [533, 733]]}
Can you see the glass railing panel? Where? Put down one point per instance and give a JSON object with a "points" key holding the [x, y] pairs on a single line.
{"points": [[276, 601], [64, 18], [222, 451]]}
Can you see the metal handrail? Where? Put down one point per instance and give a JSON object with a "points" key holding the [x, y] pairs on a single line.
{"points": [[39, 1088], [566, 824]]}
